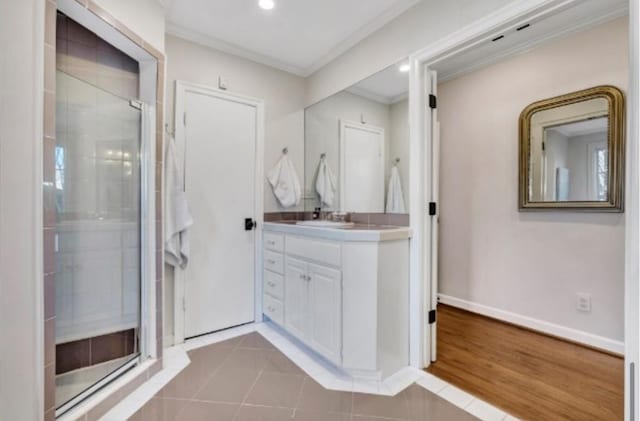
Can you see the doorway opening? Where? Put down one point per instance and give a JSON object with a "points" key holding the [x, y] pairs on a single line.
{"points": [[483, 256]]}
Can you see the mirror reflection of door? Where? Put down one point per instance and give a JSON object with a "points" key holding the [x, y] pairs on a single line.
{"points": [[362, 168]]}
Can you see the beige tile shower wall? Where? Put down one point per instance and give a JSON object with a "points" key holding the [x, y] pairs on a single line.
{"points": [[49, 210], [531, 264]]}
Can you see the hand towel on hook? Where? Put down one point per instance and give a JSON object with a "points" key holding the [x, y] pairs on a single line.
{"points": [[284, 182]]}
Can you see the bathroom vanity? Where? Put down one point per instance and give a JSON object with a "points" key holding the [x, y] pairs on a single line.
{"points": [[342, 291]]}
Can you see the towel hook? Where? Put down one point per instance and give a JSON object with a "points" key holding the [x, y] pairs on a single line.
{"points": [[323, 155], [285, 150], [396, 161]]}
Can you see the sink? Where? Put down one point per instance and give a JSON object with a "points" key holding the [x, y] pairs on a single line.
{"points": [[325, 224]]}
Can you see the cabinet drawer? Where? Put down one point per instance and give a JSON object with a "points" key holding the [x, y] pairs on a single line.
{"points": [[316, 250], [274, 242], [273, 262], [273, 309], [274, 284]]}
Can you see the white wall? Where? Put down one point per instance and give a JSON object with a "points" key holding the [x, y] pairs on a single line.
{"points": [[21, 314], [144, 17], [531, 264], [418, 27], [399, 146]]}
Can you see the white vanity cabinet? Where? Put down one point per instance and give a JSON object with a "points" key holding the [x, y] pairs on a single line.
{"points": [[313, 311], [343, 293]]}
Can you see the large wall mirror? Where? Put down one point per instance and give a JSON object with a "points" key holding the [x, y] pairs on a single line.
{"points": [[572, 152], [357, 147]]}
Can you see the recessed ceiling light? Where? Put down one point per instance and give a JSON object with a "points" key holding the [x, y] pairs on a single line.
{"points": [[404, 67], [267, 4]]}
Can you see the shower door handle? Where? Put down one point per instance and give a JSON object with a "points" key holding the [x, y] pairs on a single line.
{"points": [[250, 224]]}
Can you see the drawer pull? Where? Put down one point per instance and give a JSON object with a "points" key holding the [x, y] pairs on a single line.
{"points": [[271, 284], [271, 262], [271, 243]]}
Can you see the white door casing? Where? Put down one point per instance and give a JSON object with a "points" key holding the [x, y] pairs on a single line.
{"points": [[219, 138]]}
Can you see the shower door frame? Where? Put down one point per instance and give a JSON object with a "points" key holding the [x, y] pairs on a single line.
{"points": [[151, 88]]}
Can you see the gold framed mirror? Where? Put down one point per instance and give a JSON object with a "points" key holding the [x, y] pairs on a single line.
{"points": [[572, 152]]}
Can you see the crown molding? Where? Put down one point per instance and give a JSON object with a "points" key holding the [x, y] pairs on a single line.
{"points": [[362, 33], [229, 48], [335, 51]]}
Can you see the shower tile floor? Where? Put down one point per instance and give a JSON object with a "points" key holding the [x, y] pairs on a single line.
{"points": [[248, 379]]}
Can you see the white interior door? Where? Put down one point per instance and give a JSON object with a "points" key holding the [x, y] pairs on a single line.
{"points": [[435, 198], [361, 168], [220, 143]]}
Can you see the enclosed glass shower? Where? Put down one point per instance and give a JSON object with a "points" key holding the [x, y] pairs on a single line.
{"points": [[98, 236]]}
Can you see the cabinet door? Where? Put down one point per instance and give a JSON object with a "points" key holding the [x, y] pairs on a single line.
{"points": [[325, 333], [296, 302]]}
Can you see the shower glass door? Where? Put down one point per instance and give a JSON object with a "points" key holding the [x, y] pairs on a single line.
{"points": [[98, 241]]}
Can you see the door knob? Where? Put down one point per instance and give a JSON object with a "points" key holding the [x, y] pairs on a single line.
{"points": [[249, 224]]}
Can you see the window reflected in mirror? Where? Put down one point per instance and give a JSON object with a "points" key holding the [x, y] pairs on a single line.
{"points": [[572, 152]]}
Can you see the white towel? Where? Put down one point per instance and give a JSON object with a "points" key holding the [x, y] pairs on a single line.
{"points": [[325, 183], [285, 183], [177, 216], [395, 198]]}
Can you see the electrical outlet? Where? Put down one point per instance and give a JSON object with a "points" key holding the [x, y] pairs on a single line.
{"points": [[583, 302]]}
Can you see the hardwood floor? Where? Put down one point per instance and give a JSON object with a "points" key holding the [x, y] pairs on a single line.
{"points": [[529, 375]]}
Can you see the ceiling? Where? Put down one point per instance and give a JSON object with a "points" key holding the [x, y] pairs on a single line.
{"points": [[583, 127], [584, 15], [387, 86], [297, 36]]}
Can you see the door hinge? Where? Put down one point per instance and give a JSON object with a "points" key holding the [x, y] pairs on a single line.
{"points": [[433, 208], [432, 317], [433, 101], [184, 118]]}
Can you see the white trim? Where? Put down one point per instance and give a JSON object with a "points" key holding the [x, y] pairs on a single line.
{"points": [[344, 124], [381, 20], [563, 332], [181, 89], [335, 51], [225, 47], [632, 222]]}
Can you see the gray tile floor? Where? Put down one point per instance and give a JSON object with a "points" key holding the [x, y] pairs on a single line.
{"points": [[247, 379]]}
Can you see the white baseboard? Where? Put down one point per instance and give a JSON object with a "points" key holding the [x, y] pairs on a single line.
{"points": [[589, 339]]}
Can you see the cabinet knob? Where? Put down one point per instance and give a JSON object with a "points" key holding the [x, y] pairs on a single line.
{"points": [[271, 262], [303, 277]]}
